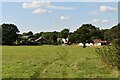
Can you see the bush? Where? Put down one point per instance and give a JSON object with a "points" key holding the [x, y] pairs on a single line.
{"points": [[110, 55], [116, 42]]}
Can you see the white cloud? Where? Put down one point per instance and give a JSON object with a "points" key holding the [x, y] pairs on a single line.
{"points": [[40, 11], [35, 4], [107, 8], [64, 17], [100, 21], [39, 7], [60, 7]]}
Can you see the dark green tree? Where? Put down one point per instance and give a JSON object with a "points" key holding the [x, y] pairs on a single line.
{"points": [[54, 37], [37, 35], [113, 33], [111, 54], [28, 33], [48, 37], [64, 33], [9, 33], [85, 32], [72, 38]]}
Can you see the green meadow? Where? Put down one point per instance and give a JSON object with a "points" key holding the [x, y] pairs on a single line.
{"points": [[50, 61]]}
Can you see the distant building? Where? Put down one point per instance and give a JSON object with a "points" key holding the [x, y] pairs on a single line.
{"points": [[87, 44], [41, 40], [65, 41], [26, 37], [96, 42], [99, 42]]}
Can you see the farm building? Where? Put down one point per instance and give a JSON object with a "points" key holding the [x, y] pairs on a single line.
{"points": [[96, 42], [99, 42], [87, 44], [62, 40], [41, 40], [65, 41]]}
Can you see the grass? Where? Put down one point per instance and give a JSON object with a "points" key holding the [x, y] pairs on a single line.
{"points": [[49, 61]]}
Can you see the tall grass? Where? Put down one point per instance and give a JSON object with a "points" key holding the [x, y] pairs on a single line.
{"points": [[110, 55]]}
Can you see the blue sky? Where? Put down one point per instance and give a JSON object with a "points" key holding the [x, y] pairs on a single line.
{"points": [[54, 16]]}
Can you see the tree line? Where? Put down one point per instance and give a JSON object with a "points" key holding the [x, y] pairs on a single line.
{"points": [[85, 33]]}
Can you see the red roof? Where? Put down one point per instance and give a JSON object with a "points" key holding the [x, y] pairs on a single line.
{"points": [[99, 41]]}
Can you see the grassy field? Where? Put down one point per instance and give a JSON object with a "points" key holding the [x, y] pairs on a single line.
{"points": [[53, 62]]}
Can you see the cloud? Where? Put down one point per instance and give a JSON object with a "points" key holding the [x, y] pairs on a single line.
{"points": [[40, 11], [64, 17], [60, 7], [39, 4], [35, 4], [100, 21], [43, 7], [107, 8]]}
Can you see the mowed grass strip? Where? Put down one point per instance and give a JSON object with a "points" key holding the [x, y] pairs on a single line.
{"points": [[50, 61]]}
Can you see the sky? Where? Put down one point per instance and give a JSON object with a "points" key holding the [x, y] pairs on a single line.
{"points": [[39, 16]]}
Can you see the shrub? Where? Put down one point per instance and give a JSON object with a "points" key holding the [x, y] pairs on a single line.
{"points": [[110, 55]]}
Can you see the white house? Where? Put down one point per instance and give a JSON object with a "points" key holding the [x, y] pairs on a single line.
{"points": [[80, 44], [87, 44], [65, 41]]}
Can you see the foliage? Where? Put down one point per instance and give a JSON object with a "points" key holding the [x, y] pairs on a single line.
{"points": [[88, 32], [64, 33], [72, 38], [54, 37], [85, 33], [9, 33], [37, 35], [113, 33], [48, 37], [28, 33], [110, 55]]}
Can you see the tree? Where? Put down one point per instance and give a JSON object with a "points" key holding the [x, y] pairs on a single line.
{"points": [[28, 33], [72, 38], [54, 37], [37, 35], [9, 33], [111, 54], [113, 33], [48, 37], [64, 33], [85, 32]]}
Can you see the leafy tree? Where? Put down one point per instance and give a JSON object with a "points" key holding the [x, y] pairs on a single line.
{"points": [[9, 33], [111, 54], [113, 33], [28, 33], [54, 37], [48, 37], [64, 33], [87, 32], [37, 35], [72, 38]]}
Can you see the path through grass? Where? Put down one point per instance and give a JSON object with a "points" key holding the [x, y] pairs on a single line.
{"points": [[53, 62]]}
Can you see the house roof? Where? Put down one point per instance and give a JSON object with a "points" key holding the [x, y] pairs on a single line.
{"points": [[99, 41], [40, 38], [25, 36]]}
